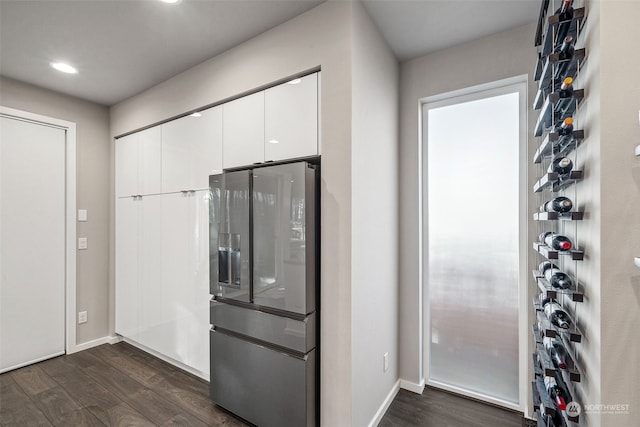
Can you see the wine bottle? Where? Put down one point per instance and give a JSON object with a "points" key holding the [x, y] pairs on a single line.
{"points": [[565, 99], [565, 58], [565, 15], [560, 165], [556, 352], [556, 315], [555, 392], [557, 278], [545, 265], [565, 127], [557, 242], [558, 204]]}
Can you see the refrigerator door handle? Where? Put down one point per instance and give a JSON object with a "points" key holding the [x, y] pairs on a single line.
{"points": [[265, 344]]}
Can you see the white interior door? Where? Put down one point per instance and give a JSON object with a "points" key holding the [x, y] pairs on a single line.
{"points": [[32, 242]]}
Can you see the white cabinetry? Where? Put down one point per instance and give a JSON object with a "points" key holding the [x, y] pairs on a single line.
{"points": [[191, 151], [291, 119], [138, 163], [276, 124], [243, 131], [184, 284], [138, 253]]}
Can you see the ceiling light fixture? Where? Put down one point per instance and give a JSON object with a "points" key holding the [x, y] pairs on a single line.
{"points": [[273, 141], [65, 68], [171, 1], [294, 81], [196, 114]]}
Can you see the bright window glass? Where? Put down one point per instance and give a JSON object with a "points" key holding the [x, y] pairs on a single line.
{"points": [[472, 230]]}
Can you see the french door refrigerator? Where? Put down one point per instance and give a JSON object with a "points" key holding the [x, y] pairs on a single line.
{"points": [[264, 248]]}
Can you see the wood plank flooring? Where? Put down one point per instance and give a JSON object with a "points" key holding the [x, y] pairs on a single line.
{"points": [[120, 385], [436, 408], [109, 385]]}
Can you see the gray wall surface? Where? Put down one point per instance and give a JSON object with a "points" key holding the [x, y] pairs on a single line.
{"points": [[374, 224]]}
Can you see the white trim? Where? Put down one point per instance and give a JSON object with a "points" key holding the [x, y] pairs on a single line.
{"points": [[385, 405], [94, 343], [70, 225], [412, 387], [115, 339], [509, 85], [31, 362]]}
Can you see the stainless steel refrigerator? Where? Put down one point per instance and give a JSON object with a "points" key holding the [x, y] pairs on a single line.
{"points": [[264, 248]]}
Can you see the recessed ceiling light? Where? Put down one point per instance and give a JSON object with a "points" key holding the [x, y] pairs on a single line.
{"points": [[294, 81], [65, 68], [273, 141], [196, 114], [171, 1]]}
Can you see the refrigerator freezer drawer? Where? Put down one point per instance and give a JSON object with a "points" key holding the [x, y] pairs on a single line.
{"points": [[297, 335], [277, 392]]}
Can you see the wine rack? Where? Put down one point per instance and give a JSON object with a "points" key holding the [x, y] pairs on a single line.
{"points": [[558, 133]]}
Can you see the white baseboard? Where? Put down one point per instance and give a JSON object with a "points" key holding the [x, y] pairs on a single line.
{"points": [[93, 343], [115, 339], [412, 387], [385, 405]]}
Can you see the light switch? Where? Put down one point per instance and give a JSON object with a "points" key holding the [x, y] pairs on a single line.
{"points": [[82, 243], [82, 214]]}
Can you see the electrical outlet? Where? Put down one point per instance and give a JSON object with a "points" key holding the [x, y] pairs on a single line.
{"points": [[82, 243], [385, 361], [82, 317]]}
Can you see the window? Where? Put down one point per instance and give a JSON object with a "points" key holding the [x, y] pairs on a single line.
{"points": [[473, 237]]}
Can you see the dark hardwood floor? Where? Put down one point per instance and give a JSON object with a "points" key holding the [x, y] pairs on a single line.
{"points": [[109, 385], [120, 385], [435, 408]]}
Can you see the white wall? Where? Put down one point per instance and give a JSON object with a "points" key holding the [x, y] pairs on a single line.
{"points": [[620, 208], [499, 56], [92, 126], [374, 219]]}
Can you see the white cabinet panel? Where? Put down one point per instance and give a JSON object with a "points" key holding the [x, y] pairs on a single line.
{"points": [[191, 151], [150, 172], [127, 166], [127, 260], [150, 252], [184, 284], [198, 329], [174, 286], [243, 131], [291, 119], [138, 163]]}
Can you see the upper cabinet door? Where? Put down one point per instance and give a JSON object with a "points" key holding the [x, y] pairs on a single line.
{"points": [[127, 166], [291, 119], [191, 151], [138, 163], [150, 161], [243, 131]]}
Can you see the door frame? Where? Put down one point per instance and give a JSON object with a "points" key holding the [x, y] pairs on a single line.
{"points": [[509, 85], [70, 212]]}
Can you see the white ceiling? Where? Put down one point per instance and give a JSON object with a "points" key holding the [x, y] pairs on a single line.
{"points": [[122, 47]]}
